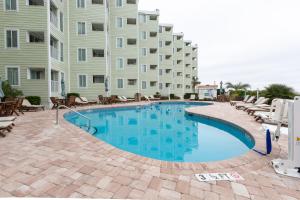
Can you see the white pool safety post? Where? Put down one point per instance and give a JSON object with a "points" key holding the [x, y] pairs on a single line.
{"points": [[291, 167]]}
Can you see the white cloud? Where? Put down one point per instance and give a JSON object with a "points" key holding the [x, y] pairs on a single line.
{"points": [[253, 41]]}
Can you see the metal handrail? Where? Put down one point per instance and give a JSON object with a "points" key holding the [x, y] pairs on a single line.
{"points": [[78, 113]]}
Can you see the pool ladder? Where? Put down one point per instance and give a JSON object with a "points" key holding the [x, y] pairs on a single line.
{"points": [[78, 113]]}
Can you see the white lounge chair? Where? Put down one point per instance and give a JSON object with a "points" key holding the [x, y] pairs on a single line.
{"points": [[5, 126], [78, 101], [147, 98], [7, 119], [249, 104], [26, 105], [260, 103], [233, 103], [84, 99], [128, 99], [121, 99], [153, 98]]}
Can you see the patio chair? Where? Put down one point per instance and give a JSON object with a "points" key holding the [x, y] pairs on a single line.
{"points": [[55, 102], [71, 101], [5, 126], [79, 102], [26, 105], [146, 98], [8, 119], [84, 99], [233, 103]]}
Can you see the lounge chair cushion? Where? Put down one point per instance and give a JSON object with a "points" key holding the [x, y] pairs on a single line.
{"points": [[27, 104], [79, 101], [5, 124], [7, 119]]}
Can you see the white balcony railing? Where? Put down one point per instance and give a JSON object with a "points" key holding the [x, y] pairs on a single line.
{"points": [[54, 52], [53, 19]]}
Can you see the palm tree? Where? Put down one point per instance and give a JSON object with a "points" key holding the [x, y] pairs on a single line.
{"points": [[238, 86], [279, 91]]}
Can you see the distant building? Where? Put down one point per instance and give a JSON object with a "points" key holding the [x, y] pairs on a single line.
{"points": [[207, 91]]}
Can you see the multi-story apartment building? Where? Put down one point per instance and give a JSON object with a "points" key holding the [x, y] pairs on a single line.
{"points": [[87, 43]]}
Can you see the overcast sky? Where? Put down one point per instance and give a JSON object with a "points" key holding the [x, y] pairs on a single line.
{"points": [[253, 41]]}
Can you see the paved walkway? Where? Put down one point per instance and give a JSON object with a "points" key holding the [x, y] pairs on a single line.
{"points": [[40, 159]]}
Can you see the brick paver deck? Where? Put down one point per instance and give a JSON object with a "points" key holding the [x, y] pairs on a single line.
{"points": [[40, 159]]}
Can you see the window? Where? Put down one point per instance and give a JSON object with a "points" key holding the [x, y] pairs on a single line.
{"points": [[160, 86], [120, 42], [120, 84], [144, 35], [120, 63], [81, 55], [35, 2], [153, 17], [131, 41], [161, 58], [144, 51], [131, 61], [80, 3], [131, 1], [98, 53], [144, 68], [143, 18], [11, 5], [81, 29], [168, 29], [153, 50], [153, 34], [131, 21], [179, 86], [13, 75], [132, 82], [119, 3], [160, 72], [12, 38], [35, 37], [153, 83], [61, 20], [119, 22], [144, 85], [160, 43], [160, 29], [97, 27], [82, 81], [98, 79], [97, 1], [153, 67], [36, 74], [61, 52]]}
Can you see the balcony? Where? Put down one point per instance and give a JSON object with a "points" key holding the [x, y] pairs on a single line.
{"points": [[53, 14]]}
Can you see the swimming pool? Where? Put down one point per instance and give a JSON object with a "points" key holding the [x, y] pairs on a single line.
{"points": [[164, 131]]}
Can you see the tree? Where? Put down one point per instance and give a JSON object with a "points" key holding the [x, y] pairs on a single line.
{"points": [[278, 91], [238, 86], [10, 91]]}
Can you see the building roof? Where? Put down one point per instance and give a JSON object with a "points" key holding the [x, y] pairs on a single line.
{"points": [[166, 25], [155, 12]]}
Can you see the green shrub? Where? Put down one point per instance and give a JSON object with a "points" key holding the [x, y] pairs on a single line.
{"points": [[188, 96], [73, 94], [173, 96], [10, 91], [157, 95], [34, 100]]}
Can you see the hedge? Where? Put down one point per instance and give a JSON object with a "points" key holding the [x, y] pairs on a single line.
{"points": [[73, 94], [34, 100]]}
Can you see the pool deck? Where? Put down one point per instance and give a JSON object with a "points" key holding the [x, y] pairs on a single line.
{"points": [[40, 159]]}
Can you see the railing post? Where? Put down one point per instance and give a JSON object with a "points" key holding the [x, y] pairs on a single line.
{"points": [[57, 115]]}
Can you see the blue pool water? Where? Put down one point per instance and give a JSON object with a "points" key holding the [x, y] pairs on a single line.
{"points": [[166, 132]]}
